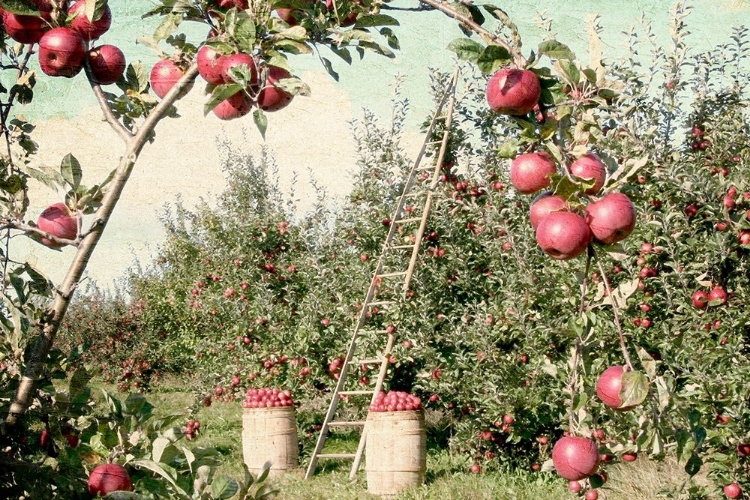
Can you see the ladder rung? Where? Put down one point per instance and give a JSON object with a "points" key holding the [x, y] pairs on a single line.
{"points": [[417, 193], [434, 142], [356, 393], [410, 219], [343, 423], [398, 247], [380, 303], [366, 361], [424, 169], [399, 273], [335, 455]]}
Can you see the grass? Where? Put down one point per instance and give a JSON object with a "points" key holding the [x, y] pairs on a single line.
{"points": [[447, 475]]}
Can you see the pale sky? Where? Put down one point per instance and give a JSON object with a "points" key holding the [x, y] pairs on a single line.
{"points": [[184, 161]]}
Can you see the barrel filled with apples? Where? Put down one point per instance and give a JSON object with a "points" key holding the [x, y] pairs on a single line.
{"points": [[269, 431], [396, 446]]}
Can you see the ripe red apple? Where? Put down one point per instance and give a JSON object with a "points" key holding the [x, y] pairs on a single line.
{"points": [[107, 478], [234, 107], [575, 486], [609, 385], [543, 205], [591, 495], [236, 60], [211, 65], [164, 76], [563, 235], [89, 30], [24, 29], [270, 97], [531, 172], [611, 219], [629, 457], [744, 237], [575, 458], [700, 299], [718, 293], [58, 221], [61, 52], [588, 167], [743, 450], [228, 4], [512, 91], [733, 490], [107, 64]]}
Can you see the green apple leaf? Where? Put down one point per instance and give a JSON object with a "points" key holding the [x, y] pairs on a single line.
{"points": [[71, 171], [555, 50], [466, 49], [261, 121], [20, 7], [634, 388], [492, 58], [224, 487], [375, 20], [219, 94]]}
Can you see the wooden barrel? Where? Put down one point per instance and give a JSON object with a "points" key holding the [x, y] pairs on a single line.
{"points": [[270, 435], [396, 451]]}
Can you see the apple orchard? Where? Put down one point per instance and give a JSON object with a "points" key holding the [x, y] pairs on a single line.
{"points": [[581, 294]]}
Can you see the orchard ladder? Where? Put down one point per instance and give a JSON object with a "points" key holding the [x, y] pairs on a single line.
{"points": [[382, 273]]}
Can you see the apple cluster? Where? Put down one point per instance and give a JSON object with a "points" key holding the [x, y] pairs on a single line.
{"points": [[267, 398], [395, 401], [64, 37], [716, 296], [220, 64], [561, 231], [191, 429]]}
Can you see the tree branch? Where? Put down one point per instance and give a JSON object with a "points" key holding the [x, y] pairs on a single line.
{"points": [[51, 324]]}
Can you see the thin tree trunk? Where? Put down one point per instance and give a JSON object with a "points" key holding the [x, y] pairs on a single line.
{"points": [[50, 325]]}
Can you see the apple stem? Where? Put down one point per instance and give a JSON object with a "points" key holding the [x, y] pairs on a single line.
{"points": [[616, 311]]}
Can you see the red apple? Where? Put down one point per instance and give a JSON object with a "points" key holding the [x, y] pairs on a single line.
{"points": [[743, 450], [210, 65], [58, 221], [733, 490], [512, 91], [543, 205], [591, 495], [476, 468], [700, 299], [531, 172], [563, 235], [575, 486], [629, 457], [575, 458], [608, 387], [718, 293], [234, 107], [24, 29], [89, 29], [61, 52], [272, 98], [611, 219], [588, 167], [107, 64], [744, 237], [236, 60], [107, 478], [164, 76]]}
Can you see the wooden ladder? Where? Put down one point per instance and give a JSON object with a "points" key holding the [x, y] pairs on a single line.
{"points": [[381, 274]]}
